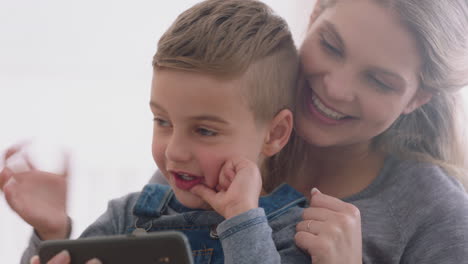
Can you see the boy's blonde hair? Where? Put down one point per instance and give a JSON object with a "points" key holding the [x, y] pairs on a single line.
{"points": [[236, 39]]}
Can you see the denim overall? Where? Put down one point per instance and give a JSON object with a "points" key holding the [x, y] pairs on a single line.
{"points": [[199, 226]]}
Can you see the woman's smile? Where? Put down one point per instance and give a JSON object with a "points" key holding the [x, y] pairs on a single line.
{"points": [[322, 111]]}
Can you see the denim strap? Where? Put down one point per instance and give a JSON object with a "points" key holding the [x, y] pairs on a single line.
{"points": [[280, 200], [153, 200]]}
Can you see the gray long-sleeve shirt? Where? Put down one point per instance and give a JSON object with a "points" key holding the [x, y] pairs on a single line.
{"points": [[411, 213]]}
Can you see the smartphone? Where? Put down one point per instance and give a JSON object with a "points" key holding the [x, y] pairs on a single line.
{"points": [[165, 247]]}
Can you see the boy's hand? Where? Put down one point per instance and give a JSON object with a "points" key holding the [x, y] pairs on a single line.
{"points": [[62, 258], [38, 197], [240, 184]]}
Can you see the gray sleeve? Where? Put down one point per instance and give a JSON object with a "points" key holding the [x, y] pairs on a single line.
{"points": [[116, 220], [158, 177], [443, 236], [32, 249], [432, 212], [244, 236]]}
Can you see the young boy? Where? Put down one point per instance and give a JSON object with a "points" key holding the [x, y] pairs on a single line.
{"points": [[222, 90]]}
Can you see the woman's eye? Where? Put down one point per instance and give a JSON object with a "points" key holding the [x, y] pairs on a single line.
{"points": [[206, 132], [330, 48], [380, 83], [161, 122]]}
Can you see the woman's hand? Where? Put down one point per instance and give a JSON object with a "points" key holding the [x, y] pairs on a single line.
{"points": [[239, 188], [38, 197], [62, 258], [330, 231]]}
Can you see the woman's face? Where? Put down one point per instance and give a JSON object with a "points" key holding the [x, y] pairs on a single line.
{"points": [[360, 73]]}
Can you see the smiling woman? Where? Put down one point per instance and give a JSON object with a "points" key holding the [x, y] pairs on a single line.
{"points": [[77, 75]]}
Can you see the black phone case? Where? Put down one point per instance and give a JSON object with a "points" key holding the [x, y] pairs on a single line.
{"points": [[164, 247]]}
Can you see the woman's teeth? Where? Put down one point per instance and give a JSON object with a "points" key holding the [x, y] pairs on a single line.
{"points": [[325, 110]]}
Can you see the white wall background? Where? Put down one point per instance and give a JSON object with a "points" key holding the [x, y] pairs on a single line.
{"points": [[76, 75]]}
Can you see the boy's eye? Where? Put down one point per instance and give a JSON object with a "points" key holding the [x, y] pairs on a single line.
{"points": [[161, 122], [206, 132]]}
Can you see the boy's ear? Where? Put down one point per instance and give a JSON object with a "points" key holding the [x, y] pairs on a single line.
{"points": [[419, 99], [279, 132]]}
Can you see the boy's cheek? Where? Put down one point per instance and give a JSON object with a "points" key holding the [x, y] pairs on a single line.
{"points": [[158, 155], [211, 163]]}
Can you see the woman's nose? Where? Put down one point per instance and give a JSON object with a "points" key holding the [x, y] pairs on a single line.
{"points": [[178, 148], [338, 85]]}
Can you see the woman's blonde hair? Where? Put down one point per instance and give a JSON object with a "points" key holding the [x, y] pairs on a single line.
{"points": [[432, 133]]}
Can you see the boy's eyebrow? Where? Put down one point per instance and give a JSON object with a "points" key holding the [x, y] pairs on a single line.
{"points": [[154, 105], [331, 28], [211, 118]]}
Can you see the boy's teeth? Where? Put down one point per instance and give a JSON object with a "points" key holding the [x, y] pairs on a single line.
{"points": [[186, 177], [325, 110]]}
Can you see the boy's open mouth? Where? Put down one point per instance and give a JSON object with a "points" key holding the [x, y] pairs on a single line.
{"points": [[186, 181]]}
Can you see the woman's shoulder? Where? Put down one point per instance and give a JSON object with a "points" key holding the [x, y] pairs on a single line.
{"points": [[410, 208], [419, 179], [419, 192]]}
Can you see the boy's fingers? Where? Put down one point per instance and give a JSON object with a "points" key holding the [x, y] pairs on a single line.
{"points": [[28, 161], [10, 190], [35, 260], [94, 261], [5, 176], [14, 149], [66, 165], [204, 192], [10, 152], [61, 258], [224, 182]]}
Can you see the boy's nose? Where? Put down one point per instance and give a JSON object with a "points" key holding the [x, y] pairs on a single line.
{"points": [[177, 149], [339, 85]]}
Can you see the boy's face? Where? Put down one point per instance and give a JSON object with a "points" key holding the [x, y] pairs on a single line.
{"points": [[199, 123]]}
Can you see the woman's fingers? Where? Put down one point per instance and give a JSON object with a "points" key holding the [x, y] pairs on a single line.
{"points": [[330, 231], [304, 241], [321, 200], [313, 244], [311, 226], [318, 214]]}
